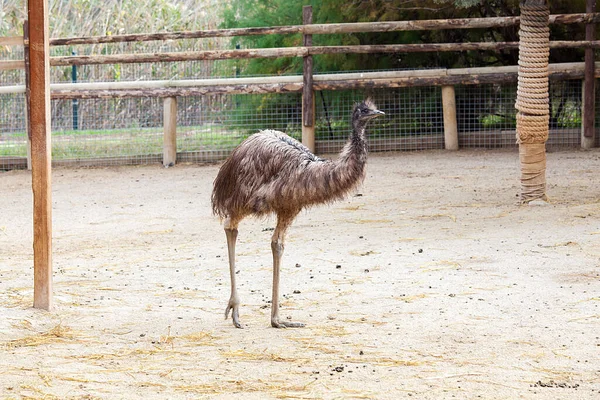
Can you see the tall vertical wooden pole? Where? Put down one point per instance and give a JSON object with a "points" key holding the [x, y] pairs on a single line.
{"points": [[41, 158], [27, 90], [308, 98], [170, 131], [589, 102], [449, 110]]}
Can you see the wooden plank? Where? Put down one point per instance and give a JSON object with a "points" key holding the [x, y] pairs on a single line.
{"points": [[39, 65], [27, 93], [11, 41], [307, 73], [291, 84], [263, 80], [308, 131], [274, 53], [589, 102], [176, 92], [170, 132], [302, 52], [308, 103], [449, 112], [290, 52], [415, 81], [460, 23], [11, 65]]}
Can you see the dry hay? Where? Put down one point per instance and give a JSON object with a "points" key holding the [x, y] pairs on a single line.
{"points": [[437, 216], [580, 277], [316, 342], [277, 388], [263, 356], [409, 239], [588, 319], [410, 299], [440, 265], [58, 334], [309, 343], [200, 338], [16, 298], [386, 361], [363, 320]]}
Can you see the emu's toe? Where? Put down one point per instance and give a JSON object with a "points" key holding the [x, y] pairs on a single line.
{"points": [[235, 315], [275, 323]]}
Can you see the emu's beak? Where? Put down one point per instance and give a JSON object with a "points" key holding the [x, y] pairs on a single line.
{"points": [[377, 113]]}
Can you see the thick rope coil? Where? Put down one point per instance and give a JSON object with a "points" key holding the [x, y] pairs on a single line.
{"points": [[532, 88], [532, 100]]}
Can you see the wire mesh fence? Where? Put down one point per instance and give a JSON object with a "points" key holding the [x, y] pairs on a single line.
{"points": [[486, 115], [13, 137], [413, 119], [130, 130]]}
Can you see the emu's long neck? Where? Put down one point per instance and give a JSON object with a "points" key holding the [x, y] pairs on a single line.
{"points": [[350, 164]]}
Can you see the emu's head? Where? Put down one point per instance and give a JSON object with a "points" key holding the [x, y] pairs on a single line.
{"points": [[365, 111]]}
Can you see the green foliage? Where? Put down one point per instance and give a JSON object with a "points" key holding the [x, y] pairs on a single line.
{"points": [[257, 13]]}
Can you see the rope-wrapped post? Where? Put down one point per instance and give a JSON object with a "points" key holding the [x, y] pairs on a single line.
{"points": [[532, 98]]}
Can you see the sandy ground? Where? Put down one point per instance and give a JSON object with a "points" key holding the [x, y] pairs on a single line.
{"points": [[432, 282]]}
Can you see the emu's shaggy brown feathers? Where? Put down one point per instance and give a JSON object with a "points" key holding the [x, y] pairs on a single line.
{"points": [[271, 171]]}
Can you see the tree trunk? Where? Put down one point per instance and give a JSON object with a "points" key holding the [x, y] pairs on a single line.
{"points": [[532, 98]]}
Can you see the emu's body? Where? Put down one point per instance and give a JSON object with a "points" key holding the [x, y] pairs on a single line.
{"points": [[271, 172]]}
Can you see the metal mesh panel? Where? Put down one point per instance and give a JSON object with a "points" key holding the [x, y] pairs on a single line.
{"points": [[213, 125], [16, 76], [565, 114], [597, 116], [486, 115], [130, 131], [13, 135], [143, 71], [413, 119], [115, 130]]}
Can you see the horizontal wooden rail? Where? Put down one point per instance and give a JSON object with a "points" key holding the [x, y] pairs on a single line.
{"points": [[317, 29], [357, 27], [11, 41], [301, 52], [287, 84], [7, 65], [289, 52]]}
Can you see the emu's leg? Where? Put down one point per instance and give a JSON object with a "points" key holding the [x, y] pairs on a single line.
{"points": [[277, 245], [234, 301]]}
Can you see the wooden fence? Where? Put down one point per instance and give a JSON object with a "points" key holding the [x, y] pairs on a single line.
{"points": [[308, 83]]}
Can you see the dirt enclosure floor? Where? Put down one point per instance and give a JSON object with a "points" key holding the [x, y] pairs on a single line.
{"points": [[431, 282]]}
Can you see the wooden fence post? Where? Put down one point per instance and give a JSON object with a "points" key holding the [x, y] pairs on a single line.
{"points": [[589, 98], [170, 132], [450, 126], [587, 142], [308, 98], [27, 90], [41, 155]]}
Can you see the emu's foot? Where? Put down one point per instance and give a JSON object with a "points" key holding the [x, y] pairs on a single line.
{"points": [[235, 315], [275, 323]]}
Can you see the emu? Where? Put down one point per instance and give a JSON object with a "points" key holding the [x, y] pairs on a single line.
{"points": [[270, 172]]}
